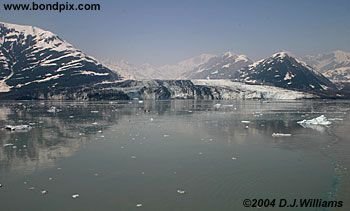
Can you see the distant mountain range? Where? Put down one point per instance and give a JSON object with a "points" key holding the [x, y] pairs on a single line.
{"points": [[335, 66], [37, 64], [148, 71]]}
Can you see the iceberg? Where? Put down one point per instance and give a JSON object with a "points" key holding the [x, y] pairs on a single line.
{"points": [[18, 127], [321, 120]]}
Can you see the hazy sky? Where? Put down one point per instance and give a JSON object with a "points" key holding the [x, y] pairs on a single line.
{"points": [[167, 31]]}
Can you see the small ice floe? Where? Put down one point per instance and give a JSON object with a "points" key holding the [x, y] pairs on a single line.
{"points": [[14, 147], [234, 158], [44, 192], [281, 135], [138, 205], [71, 117], [22, 128], [53, 109], [140, 101], [217, 106], [74, 196], [94, 123], [200, 153], [245, 121], [8, 145], [94, 112], [151, 119], [31, 188], [165, 135], [50, 178], [321, 120], [133, 157], [246, 127], [0, 185], [179, 191]]}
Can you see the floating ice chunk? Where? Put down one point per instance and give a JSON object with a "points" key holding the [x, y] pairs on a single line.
{"points": [[53, 109], [133, 157], [321, 120], [94, 123], [0, 185], [181, 191], [8, 145], [140, 101], [281, 134], [23, 128], [74, 196], [94, 112], [138, 205], [31, 188], [165, 135], [151, 119], [245, 122], [44, 192], [234, 158], [217, 106]]}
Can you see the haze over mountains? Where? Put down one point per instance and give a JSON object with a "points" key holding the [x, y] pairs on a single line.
{"points": [[37, 64]]}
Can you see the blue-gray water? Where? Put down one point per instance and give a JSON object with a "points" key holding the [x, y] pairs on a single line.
{"points": [[116, 155]]}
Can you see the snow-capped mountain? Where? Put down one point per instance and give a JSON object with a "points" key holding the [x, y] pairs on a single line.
{"points": [[283, 70], [219, 67], [334, 65], [35, 59]]}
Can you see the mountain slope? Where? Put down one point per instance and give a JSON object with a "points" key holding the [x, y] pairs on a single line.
{"points": [[34, 59], [284, 71], [219, 67], [334, 65]]}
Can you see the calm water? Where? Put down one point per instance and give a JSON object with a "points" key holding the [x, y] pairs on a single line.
{"points": [[116, 155]]}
